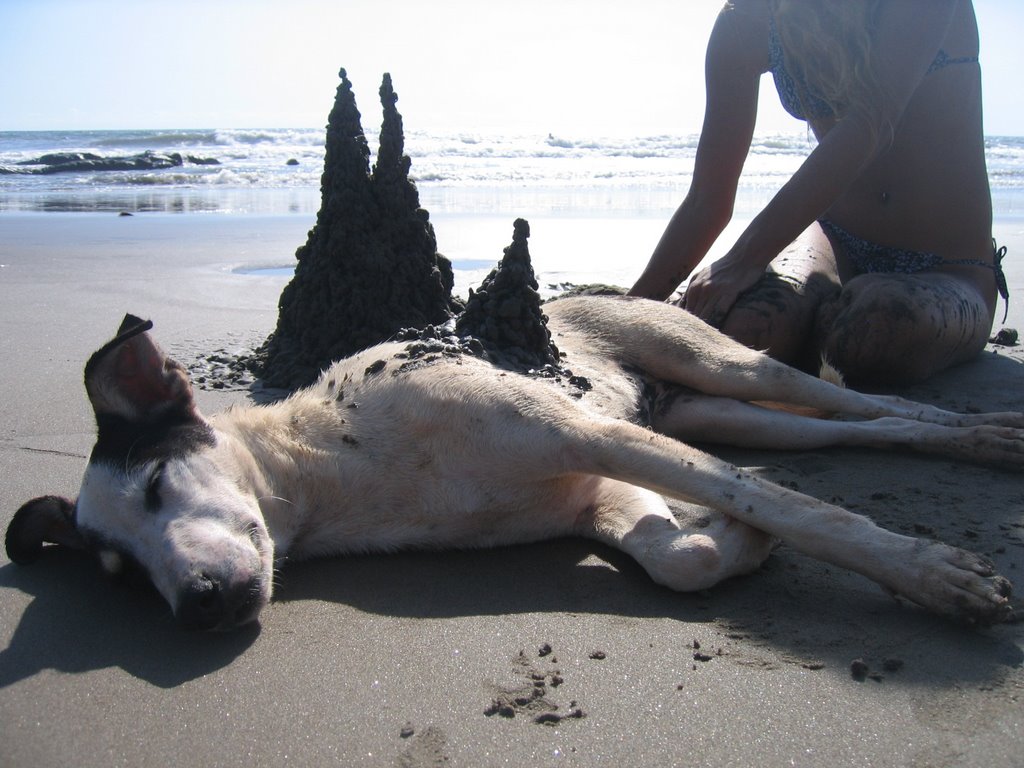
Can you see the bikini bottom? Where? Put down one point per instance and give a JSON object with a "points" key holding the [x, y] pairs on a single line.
{"points": [[872, 257]]}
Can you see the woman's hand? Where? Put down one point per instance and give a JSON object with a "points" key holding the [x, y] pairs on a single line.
{"points": [[713, 291]]}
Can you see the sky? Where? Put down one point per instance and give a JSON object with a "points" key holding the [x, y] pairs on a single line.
{"points": [[567, 67]]}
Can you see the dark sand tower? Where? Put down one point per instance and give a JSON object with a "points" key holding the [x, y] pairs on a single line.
{"points": [[370, 266]]}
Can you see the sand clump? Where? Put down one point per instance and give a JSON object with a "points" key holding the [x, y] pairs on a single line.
{"points": [[532, 696], [504, 313]]}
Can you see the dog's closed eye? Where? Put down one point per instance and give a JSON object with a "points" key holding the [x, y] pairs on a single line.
{"points": [[152, 499]]}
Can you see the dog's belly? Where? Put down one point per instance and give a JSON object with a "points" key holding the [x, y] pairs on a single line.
{"points": [[445, 512]]}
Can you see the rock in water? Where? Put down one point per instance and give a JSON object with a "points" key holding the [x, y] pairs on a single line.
{"points": [[79, 162], [504, 313], [370, 266]]}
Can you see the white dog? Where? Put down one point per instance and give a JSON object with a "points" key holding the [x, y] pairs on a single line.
{"points": [[394, 449]]}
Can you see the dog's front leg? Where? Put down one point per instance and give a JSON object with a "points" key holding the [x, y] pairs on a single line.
{"points": [[944, 579]]}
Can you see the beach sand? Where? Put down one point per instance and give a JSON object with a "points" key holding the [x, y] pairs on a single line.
{"points": [[393, 660]]}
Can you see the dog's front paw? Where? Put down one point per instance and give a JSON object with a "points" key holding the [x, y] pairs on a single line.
{"points": [[956, 583]]}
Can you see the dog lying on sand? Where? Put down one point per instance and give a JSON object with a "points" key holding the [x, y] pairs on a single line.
{"points": [[394, 448]]}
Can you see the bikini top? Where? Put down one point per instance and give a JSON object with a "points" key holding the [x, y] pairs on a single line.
{"points": [[790, 91]]}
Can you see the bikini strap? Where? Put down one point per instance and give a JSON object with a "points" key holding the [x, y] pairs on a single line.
{"points": [[998, 252], [997, 272]]}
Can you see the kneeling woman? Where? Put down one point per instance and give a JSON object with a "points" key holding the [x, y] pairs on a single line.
{"points": [[877, 254]]}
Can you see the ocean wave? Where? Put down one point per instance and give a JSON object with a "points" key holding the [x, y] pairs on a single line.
{"points": [[208, 178], [155, 139], [274, 137], [148, 180], [176, 138], [265, 160]]}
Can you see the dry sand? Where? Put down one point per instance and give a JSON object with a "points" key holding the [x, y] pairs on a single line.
{"points": [[418, 659]]}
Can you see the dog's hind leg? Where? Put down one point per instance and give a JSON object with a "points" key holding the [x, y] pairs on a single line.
{"points": [[703, 418], [672, 345], [697, 556]]}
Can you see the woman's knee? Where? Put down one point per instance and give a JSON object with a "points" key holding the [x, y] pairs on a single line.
{"points": [[777, 315], [898, 328], [770, 318]]}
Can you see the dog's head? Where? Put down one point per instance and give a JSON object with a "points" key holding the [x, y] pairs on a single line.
{"points": [[154, 496]]}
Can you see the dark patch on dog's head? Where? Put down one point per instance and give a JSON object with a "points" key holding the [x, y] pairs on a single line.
{"points": [[127, 444]]}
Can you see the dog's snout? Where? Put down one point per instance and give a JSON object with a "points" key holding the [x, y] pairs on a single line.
{"points": [[206, 604]]}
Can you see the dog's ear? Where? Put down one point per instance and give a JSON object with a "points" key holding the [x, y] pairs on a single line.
{"points": [[45, 520], [131, 377]]}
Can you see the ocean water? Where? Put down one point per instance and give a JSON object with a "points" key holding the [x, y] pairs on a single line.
{"points": [[277, 171]]}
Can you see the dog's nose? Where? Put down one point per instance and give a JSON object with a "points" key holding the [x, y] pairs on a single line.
{"points": [[201, 604], [207, 603]]}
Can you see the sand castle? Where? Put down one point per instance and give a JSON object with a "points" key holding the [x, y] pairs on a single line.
{"points": [[370, 270], [370, 266]]}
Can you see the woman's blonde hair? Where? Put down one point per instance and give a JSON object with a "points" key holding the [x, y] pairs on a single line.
{"points": [[827, 46]]}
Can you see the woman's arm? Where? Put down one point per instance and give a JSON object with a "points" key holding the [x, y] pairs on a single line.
{"points": [[910, 32], [733, 66]]}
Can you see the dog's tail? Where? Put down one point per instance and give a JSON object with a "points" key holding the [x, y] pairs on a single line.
{"points": [[831, 374], [827, 372]]}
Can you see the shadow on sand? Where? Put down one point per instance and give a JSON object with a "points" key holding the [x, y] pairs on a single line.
{"points": [[794, 609]]}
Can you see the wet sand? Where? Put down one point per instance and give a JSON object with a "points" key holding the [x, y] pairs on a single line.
{"points": [[401, 659]]}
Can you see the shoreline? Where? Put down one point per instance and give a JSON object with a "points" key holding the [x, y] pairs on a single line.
{"points": [[565, 246]]}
